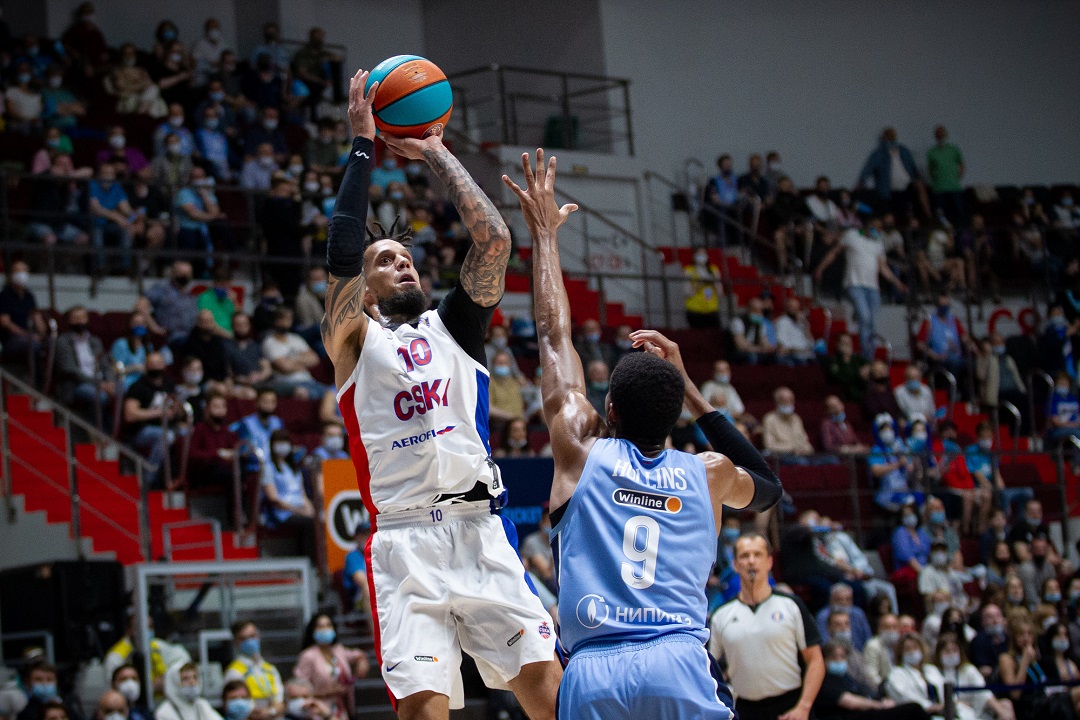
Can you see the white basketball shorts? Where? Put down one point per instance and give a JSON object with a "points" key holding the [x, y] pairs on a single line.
{"points": [[443, 580]]}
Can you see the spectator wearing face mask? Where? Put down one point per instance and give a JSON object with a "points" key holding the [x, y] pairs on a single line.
{"points": [[720, 382], [703, 293], [838, 629], [120, 152], [843, 549], [310, 300], [332, 445], [842, 600], [878, 652], [328, 667], [40, 683], [504, 391], [938, 577], [79, 360], [915, 397], [112, 217], [515, 441], [1063, 413], [837, 435], [183, 694], [174, 125], [206, 53], [112, 706], [321, 152], [173, 168], [212, 448], [951, 666], [247, 366], [942, 338], [910, 544], [236, 700], [125, 680], [196, 207], [148, 412], [262, 679], [24, 103], [301, 704], [783, 432], [60, 109], [212, 144], [258, 171], [598, 375], [388, 172], [285, 499], [256, 429], [499, 342], [133, 87], [999, 379], [795, 344], [267, 131], [907, 683], [990, 642], [754, 334], [220, 301], [1036, 570], [590, 346], [844, 697], [276, 53], [291, 359], [174, 307], [848, 370], [173, 73]]}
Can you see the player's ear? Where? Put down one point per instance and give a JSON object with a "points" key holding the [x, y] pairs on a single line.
{"points": [[612, 416]]}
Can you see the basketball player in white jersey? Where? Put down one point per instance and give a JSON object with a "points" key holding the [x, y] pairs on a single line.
{"points": [[413, 391]]}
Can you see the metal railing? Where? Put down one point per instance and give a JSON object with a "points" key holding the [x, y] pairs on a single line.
{"points": [[168, 546], [515, 105], [69, 420]]}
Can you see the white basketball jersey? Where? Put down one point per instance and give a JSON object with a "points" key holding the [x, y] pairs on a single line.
{"points": [[416, 410]]}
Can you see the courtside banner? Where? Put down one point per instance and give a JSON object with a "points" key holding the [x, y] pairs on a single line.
{"points": [[344, 510]]}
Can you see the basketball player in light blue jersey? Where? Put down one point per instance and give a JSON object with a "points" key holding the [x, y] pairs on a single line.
{"points": [[634, 525]]}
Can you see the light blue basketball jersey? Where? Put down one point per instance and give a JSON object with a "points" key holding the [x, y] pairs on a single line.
{"points": [[634, 548]]}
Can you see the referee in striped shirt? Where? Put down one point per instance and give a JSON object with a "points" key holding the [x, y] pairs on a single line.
{"points": [[767, 637]]}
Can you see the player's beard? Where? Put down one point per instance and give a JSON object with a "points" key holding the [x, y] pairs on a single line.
{"points": [[404, 306]]}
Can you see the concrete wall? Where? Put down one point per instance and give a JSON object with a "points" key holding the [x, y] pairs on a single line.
{"points": [[818, 80]]}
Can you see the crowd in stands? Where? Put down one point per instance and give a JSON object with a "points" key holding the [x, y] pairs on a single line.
{"points": [[320, 686]]}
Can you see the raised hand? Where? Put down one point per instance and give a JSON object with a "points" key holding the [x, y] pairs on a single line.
{"points": [[658, 345], [361, 120], [542, 213]]}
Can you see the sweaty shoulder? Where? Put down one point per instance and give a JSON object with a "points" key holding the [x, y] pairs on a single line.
{"points": [[466, 321]]}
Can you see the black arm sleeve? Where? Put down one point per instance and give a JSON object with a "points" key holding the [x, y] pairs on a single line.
{"points": [[466, 321], [727, 440], [348, 225]]}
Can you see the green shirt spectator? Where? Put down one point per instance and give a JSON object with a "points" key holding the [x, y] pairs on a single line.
{"points": [[219, 299], [946, 165]]}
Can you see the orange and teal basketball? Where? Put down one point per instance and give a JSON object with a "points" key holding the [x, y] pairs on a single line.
{"points": [[414, 97]]}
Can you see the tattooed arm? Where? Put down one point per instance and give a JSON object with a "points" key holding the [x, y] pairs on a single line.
{"points": [[344, 324], [483, 274]]}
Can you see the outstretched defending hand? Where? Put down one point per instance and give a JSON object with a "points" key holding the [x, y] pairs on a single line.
{"points": [[360, 118], [413, 148], [542, 213]]}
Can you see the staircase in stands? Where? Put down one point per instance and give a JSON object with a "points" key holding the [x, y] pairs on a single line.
{"points": [[108, 498]]}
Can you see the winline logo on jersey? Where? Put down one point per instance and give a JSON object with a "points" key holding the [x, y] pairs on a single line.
{"points": [[647, 501], [593, 611]]}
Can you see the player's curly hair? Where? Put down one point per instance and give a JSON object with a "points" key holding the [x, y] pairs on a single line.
{"points": [[647, 394], [404, 237]]}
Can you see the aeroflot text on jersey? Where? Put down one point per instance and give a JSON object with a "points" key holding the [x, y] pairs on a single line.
{"points": [[662, 478]]}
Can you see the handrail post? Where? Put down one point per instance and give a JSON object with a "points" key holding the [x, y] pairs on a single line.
{"points": [[5, 453], [853, 488], [500, 79], [568, 132], [144, 514], [949, 701], [238, 499], [73, 487], [629, 124]]}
